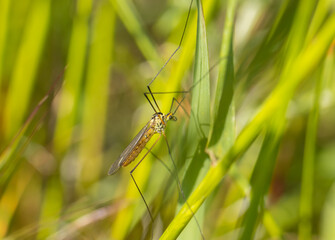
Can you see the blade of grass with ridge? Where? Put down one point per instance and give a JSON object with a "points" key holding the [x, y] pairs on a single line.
{"points": [[222, 131], [199, 121]]}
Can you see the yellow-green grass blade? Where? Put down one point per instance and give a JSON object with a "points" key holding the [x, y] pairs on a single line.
{"points": [[200, 92], [297, 38], [262, 174], [51, 207], [222, 128], [222, 131], [96, 94], [26, 65], [302, 65], [328, 215], [319, 16], [199, 122], [70, 93], [4, 12], [327, 230], [271, 225], [12, 196], [307, 181]]}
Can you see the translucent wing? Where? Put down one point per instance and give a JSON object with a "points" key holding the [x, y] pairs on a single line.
{"points": [[125, 154]]}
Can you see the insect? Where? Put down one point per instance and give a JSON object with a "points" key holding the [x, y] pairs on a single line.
{"points": [[156, 125]]}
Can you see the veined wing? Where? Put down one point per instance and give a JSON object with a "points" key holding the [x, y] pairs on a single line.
{"points": [[125, 154]]}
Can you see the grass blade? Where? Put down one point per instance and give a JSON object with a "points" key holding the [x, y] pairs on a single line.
{"points": [[222, 132], [70, 94], [262, 174], [4, 12], [26, 66]]}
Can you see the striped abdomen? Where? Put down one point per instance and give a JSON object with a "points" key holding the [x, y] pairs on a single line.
{"points": [[139, 146]]}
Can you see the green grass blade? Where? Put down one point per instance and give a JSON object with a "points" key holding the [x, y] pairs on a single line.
{"points": [[297, 38], [327, 230], [11, 198], [199, 121], [262, 174], [222, 132], [200, 92], [96, 93], [27, 62], [328, 216], [51, 207], [319, 16], [307, 181], [4, 11], [70, 94]]}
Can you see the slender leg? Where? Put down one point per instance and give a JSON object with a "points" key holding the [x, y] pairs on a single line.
{"points": [[171, 92], [138, 188], [179, 105], [162, 162], [180, 187], [154, 93], [160, 70], [146, 96]]}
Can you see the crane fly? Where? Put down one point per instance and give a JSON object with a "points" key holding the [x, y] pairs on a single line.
{"points": [[156, 124]]}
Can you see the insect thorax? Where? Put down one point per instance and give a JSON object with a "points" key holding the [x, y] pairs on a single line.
{"points": [[158, 122]]}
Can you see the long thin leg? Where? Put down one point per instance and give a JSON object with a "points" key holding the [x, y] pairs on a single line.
{"points": [[138, 188], [171, 92], [145, 94], [181, 40], [179, 105], [162, 162], [154, 93], [180, 187]]}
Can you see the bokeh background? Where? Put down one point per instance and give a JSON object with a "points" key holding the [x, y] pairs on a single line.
{"points": [[72, 78]]}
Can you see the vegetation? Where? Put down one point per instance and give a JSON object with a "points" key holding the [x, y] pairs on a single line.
{"points": [[253, 146]]}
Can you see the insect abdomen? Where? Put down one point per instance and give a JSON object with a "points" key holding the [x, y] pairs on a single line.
{"points": [[139, 146]]}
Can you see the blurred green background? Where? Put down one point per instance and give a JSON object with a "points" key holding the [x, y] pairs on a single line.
{"points": [[254, 140]]}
